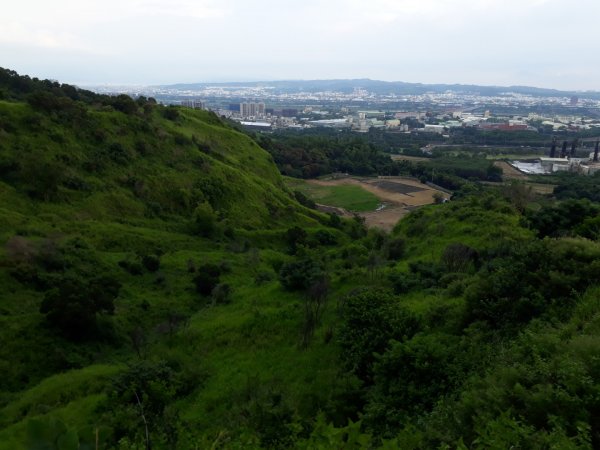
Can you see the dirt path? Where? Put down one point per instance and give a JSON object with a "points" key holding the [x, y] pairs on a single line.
{"points": [[398, 193]]}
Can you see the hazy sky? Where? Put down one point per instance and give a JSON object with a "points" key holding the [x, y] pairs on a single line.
{"points": [[546, 43]]}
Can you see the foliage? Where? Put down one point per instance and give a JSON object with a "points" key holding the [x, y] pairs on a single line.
{"points": [[489, 341], [570, 187], [207, 278], [72, 304], [370, 320], [204, 219], [526, 281], [300, 274], [564, 218]]}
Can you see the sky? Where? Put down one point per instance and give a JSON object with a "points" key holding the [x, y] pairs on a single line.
{"points": [[543, 43]]}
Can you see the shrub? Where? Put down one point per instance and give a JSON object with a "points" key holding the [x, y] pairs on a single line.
{"points": [[221, 294], [204, 220], [151, 262], [325, 237], [73, 303], [370, 319], [299, 275], [171, 113], [457, 257], [295, 237], [132, 267], [304, 200], [207, 278], [396, 248]]}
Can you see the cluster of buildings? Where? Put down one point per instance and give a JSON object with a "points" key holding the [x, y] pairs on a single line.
{"points": [[565, 161], [194, 104]]}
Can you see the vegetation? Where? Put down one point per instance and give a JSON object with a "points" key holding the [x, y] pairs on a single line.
{"points": [[350, 197], [163, 288]]}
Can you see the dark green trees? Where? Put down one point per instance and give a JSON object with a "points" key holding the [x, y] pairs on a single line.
{"points": [[73, 304]]}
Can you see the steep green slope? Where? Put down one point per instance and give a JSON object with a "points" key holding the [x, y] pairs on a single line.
{"points": [[145, 199], [101, 165]]}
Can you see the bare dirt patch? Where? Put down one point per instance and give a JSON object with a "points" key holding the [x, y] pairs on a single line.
{"points": [[509, 172], [543, 189], [386, 218]]}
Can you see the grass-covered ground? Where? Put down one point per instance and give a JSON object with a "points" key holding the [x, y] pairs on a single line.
{"points": [[352, 198]]}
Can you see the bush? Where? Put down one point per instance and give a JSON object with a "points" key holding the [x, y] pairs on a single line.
{"points": [[207, 278], [325, 237], [171, 113], [370, 319], [295, 237], [396, 248], [458, 257], [221, 294], [73, 304], [151, 262], [204, 220], [300, 275], [131, 267], [304, 200]]}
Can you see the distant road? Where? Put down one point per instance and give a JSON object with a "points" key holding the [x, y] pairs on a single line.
{"points": [[432, 146]]}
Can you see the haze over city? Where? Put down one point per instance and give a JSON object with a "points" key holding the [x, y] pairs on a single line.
{"points": [[544, 43]]}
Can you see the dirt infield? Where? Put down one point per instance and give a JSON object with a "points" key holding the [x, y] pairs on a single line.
{"points": [[398, 193]]}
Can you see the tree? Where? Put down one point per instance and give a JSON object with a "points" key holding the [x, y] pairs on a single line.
{"points": [[300, 275], [370, 319], [73, 304], [295, 237], [204, 219], [207, 278]]}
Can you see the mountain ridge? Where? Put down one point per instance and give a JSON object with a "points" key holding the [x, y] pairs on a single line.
{"points": [[378, 86]]}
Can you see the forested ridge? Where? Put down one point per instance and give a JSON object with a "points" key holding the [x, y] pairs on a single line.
{"points": [[162, 288]]}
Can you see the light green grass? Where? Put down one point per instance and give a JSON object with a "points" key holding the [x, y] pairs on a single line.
{"points": [[352, 198]]}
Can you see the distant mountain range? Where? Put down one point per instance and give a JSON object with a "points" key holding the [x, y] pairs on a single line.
{"points": [[388, 87]]}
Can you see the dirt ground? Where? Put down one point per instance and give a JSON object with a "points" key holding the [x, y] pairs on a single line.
{"points": [[509, 172], [409, 158], [399, 194]]}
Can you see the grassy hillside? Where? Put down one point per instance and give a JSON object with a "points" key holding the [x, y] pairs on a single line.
{"points": [[145, 199], [161, 287]]}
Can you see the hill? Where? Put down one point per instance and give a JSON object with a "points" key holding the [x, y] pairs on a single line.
{"points": [[161, 288]]}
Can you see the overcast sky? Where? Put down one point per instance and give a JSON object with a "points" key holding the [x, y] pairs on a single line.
{"points": [[546, 43]]}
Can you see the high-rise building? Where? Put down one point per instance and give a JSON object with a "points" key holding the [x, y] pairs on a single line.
{"points": [[251, 109]]}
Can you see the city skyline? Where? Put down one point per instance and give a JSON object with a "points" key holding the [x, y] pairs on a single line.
{"points": [[540, 43]]}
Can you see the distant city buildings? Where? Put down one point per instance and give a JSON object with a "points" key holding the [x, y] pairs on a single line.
{"points": [[251, 109], [194, 104], [439, 113]]}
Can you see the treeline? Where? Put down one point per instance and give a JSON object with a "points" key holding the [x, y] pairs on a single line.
{"points": [[574, 187], [52, 96], [310, 156]]}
